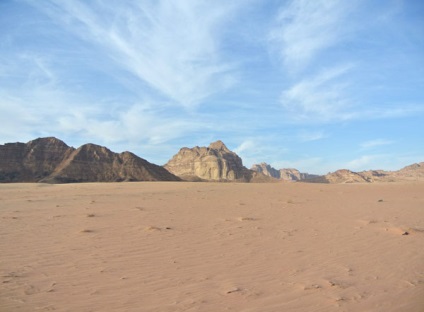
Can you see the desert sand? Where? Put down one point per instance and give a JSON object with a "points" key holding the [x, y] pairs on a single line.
{"points": [[174, 246]]}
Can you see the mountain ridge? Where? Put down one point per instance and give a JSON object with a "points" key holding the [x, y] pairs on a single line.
{"points": [[50, 160]]}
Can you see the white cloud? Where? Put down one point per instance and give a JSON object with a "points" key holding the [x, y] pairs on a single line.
{"points": [[303, 164], [138, 123], [173, 46], [307, 136], [257, 149], [375, 143], [304, 28], [364, 162], [322, 97], [245, 146]]}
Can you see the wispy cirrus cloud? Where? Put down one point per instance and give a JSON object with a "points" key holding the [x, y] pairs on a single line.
{"points": [[305, 28], [171, 46], [322, 97], [41, 101]]}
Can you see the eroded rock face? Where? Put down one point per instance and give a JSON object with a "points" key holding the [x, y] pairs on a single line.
{"points": [[213, 163], [287, 174], [51, 160], [266, 170]]}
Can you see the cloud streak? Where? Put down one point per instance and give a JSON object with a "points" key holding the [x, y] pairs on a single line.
{"points": [[321, 97], [364, 161], [303, 29], [375, 143]]}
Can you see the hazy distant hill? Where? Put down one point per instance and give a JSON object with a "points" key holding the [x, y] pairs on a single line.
{"points": [[51, 160], [414, 172]]}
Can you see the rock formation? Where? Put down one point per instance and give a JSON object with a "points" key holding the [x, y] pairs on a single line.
{"points": [[213, 163], [287, 174], [51, 160], [266, 170]]}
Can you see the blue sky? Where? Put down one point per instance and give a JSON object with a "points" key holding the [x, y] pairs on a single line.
{"points": [[315, 85]]}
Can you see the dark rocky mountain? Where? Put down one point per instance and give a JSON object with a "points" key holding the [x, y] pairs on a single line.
{"points": [[51, 160], [32, 161]]}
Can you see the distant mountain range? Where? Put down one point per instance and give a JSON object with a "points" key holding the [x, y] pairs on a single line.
{"points": [[50, 160], [412, 172]]}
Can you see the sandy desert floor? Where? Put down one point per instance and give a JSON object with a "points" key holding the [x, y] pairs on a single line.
{"points": [[212, 247]]}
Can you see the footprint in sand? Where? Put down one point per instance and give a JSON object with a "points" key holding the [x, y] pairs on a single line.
{"points": [[86, 231], [241, 219], [151, 228], [387, 227]]}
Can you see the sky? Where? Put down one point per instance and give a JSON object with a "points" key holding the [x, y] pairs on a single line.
{"points": [[314, 85]]}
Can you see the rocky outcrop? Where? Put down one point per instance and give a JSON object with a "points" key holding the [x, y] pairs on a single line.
{"points": [[287, 174], [346, 176], [213, 163], [51, 160]]}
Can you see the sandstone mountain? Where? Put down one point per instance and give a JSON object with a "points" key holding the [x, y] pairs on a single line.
{"points": [[51, 160], [213, 163], [287, 174]]}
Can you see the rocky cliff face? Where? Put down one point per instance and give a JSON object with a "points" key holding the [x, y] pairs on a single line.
{"points": [[287, 174], [50, 160], [213, 163]]}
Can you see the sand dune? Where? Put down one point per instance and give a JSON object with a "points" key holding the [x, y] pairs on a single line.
{"points": [[212, 247]]}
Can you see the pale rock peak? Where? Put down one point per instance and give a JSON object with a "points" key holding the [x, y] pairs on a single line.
{"points": [[219, 145]]}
